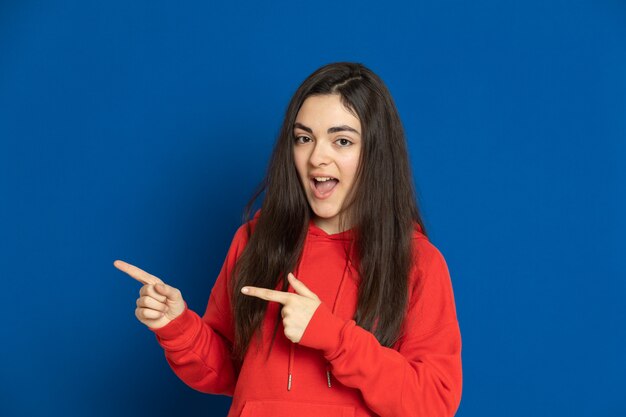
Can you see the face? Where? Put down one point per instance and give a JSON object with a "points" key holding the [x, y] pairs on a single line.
{"points": [[327, 147]]}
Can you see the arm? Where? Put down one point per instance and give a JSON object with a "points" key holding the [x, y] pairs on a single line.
{"points": [[423, 376], [199, 349]]}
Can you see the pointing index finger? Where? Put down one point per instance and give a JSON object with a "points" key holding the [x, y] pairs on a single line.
{"points": [[267, 294], [137, 273]]}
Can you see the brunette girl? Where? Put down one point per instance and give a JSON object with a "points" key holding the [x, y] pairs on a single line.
{"points": [[331, 300]]}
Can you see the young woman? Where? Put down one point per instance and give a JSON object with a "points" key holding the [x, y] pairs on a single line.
{"points": [[331, 301]]}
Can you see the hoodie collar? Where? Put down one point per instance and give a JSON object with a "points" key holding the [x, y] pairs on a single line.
{"points": [[346, 234], [318, 231]]}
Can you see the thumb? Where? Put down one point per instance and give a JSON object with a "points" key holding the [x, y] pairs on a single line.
{"points": [[169, 292], [300, 288]]}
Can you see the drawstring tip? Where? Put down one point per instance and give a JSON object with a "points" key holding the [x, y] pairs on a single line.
{"points": [[289, 383], [328, 377]]}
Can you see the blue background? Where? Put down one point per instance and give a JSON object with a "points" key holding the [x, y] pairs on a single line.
{"points": [[138, 130]]}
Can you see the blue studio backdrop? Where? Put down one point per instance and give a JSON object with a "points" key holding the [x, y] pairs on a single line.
{"points": [[138, 131]]}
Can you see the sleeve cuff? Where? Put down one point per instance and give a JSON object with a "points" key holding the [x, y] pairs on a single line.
{"points": [[179, 332], [324, 331]]}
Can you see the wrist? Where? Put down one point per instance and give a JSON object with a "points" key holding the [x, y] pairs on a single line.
{"points": [[324, 331]]}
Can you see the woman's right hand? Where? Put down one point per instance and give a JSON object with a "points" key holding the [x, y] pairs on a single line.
{"points": [[158, 303]]}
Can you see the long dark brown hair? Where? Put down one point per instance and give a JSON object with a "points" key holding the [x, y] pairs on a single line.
{"points": [[382, 210]]}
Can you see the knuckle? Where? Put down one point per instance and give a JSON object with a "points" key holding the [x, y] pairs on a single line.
{"points": [[290, 334]]}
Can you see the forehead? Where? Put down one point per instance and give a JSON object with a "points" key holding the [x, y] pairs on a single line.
{"points": [[326, 110]]}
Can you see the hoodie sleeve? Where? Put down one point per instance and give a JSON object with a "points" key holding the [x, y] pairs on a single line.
{"points": [[198, 349], [421, 375]]}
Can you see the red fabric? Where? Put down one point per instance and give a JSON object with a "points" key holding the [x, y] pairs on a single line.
{"points": [[419, 376]]}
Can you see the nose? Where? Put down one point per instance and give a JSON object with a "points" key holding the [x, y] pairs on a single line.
{"points": [[320, 155]]}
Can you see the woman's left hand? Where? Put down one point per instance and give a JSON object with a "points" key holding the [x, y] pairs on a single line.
{"points": [[297, 308]]}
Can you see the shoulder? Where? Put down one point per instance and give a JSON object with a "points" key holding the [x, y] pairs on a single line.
{"points": [[243, 232], [240, 240], [431, 296], [429, 272], [424, 251]]}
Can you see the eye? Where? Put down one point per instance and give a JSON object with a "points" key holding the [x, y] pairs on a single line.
{"points": [[301, 139], [343, 142]]}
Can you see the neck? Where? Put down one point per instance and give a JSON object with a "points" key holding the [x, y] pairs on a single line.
{"points": [[330, 226]]}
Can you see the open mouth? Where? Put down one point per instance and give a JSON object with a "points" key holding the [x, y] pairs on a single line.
{"points": [[323, 186]]}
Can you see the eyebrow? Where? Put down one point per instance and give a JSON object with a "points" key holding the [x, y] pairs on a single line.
{"points": [[334, 129]]}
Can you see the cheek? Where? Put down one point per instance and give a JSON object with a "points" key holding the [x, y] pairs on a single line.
{"points": [[350, 167], [300, 164]]}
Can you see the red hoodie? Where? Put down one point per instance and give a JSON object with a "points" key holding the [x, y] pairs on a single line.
{"points": [[338, 369]]}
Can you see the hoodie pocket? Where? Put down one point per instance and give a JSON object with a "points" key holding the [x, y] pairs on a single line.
{"points": [[274, 408]]}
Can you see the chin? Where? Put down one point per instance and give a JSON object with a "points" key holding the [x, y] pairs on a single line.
{"points": [[325, 214]]}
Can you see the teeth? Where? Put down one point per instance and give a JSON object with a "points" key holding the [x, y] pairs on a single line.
{"points": [[322, 179]]}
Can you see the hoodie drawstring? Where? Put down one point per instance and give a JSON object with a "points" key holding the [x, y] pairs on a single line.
{"points": [[336, 303], [290, 370], [292, 346]]}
